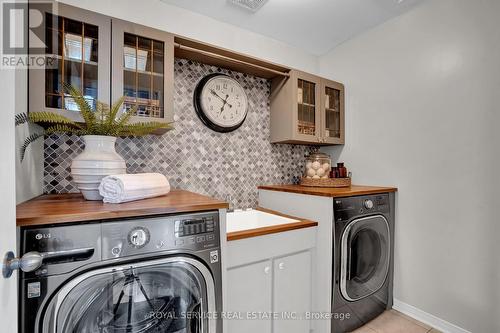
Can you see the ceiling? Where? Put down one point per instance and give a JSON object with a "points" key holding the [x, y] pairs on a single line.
{"points": [[316, 26]]}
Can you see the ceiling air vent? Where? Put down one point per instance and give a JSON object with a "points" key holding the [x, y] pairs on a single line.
{"points": [[252, 5]]}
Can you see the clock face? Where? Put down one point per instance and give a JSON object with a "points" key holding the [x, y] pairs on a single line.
{"points": [[221, 102]]}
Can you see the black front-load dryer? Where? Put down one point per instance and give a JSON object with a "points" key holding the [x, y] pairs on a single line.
{"points": [[363, 259]]}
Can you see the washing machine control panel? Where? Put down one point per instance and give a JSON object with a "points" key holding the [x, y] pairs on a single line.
{"points": [[190, 227], [368, 204], [169, 233], [139, 237], [347, 208]]}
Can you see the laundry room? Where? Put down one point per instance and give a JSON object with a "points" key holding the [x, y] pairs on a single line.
{"points": [[243, 166]]}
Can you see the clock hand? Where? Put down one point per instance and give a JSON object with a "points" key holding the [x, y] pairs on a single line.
{"points": [[225, 101], [216, 95], [223, 105]]}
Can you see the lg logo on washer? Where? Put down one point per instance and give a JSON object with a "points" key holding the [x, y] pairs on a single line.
{"points": [[42, 236]]}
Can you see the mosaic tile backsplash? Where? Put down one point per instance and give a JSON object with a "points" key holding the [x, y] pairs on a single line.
{"points": [[227, 166]]}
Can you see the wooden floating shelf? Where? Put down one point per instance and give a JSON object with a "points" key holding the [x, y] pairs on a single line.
{"points": [[211, 55]]}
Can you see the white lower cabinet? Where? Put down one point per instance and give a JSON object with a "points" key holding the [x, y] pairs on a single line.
{"points": [[292, 292], [269, 283], [249, 290]]}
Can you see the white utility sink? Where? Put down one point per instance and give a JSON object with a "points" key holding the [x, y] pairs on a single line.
{"points": [[253, 219]]}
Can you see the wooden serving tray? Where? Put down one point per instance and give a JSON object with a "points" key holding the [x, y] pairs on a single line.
{"points": [[326, 182]]}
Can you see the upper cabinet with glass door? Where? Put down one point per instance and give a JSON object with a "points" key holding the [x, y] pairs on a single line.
{"points": [[299, 110], [333, 112], [143, 70], [77, 52]]}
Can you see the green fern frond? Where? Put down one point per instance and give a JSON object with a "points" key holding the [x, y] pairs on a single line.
{"points": [[115, 109], [104, 120], [101, 114], [145, 128], [28, 141], [22, 118], [51, 118], [124, 119], [85, 109], [61, 129]]}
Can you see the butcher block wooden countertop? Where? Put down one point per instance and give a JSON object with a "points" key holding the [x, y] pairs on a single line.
{"points": [[330, 191], [64, 208]]}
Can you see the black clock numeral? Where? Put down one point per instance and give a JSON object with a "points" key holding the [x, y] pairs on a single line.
{"points": [[224, 85], [217, 87]]}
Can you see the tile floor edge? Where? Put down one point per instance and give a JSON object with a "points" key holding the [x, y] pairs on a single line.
{"points": [[427, 318]]}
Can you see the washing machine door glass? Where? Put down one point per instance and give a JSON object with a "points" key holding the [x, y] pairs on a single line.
{"points": [[365, 254], [164, 296]]}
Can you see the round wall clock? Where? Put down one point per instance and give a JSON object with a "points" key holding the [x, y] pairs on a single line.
{"points": [[220, 102]]}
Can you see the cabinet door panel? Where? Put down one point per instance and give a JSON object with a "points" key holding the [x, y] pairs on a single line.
{"points": [[249, 290], [142, 70], [332, 115], [292, 292], [78, 44], [307, 117]]}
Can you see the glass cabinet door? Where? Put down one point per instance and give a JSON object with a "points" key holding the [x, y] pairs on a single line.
{"points": [[308, 100], [143, 70], [333, 112], [77, 53]]}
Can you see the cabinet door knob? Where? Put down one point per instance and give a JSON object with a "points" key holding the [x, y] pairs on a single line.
{"points": [[281, 265], [267, 270]]}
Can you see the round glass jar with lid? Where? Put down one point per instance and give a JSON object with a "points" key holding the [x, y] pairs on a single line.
{"points": [[318, 166]]}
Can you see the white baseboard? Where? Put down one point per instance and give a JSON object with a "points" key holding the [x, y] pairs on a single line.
{"points": [[427, 318]]}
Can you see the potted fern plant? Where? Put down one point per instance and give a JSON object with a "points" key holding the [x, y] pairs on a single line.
{"points": [[99, 130]]}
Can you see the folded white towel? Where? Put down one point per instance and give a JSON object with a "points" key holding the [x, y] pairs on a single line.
{"points": [[123, 188]]}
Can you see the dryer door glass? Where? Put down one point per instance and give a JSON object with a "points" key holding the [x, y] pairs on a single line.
{"points": [[162, 298], [364, 257]]}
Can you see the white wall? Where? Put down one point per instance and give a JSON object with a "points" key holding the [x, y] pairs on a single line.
{"points": [[157, 14], [422, 113]]}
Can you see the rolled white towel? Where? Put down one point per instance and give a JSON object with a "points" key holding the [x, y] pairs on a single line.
{"points": [[124, 188]]}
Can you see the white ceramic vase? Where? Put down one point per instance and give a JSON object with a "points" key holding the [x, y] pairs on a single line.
{"points": [[98, 160]]}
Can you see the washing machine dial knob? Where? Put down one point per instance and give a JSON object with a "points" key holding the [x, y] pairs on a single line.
{"points": [[138, 237], [368, 204]]}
